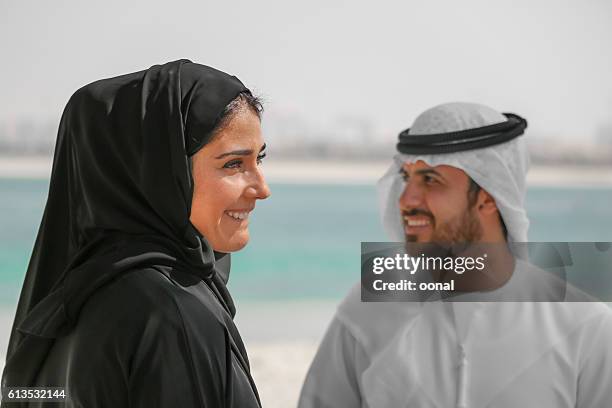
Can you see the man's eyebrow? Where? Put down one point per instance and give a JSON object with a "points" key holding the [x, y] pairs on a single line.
{"points": [[428, 171], [244, 152], [423, 172]]}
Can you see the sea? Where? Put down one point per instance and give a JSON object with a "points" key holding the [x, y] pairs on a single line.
{"points": [[305, 239]]}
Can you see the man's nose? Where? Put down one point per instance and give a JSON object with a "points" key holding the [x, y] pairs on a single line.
{"points": [[412, 196]]}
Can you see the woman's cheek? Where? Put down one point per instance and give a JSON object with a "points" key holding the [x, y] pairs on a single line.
{"points": [[231, 188]]}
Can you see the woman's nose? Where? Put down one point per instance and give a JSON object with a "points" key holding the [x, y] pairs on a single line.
{"points": [[259, 188], [264, 191]]}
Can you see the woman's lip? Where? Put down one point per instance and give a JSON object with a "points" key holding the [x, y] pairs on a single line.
{"points": [[233, 214]]}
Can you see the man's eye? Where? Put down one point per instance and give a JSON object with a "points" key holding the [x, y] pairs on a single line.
{"points": [[429, 179], [233, 164], [404, 174]]}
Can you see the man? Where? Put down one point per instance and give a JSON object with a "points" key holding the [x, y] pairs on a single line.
{"points": [[460, 177]]}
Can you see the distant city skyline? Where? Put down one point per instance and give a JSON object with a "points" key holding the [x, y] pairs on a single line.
{"points": [[372, 65], [346, 138]]}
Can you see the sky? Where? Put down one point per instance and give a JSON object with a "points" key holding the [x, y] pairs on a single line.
{"points": [[326, 62]]}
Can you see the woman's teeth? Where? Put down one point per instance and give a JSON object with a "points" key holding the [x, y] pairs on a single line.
{"points": [[238, 215]]}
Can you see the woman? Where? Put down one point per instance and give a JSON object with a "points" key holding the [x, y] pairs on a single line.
{"points": [[125, 301]]}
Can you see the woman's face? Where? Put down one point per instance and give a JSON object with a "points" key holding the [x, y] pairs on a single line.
{"points": [[228, 181]]}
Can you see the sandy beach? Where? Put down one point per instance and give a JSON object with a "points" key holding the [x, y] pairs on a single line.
{"points": [[346, 172], [281, 339]]}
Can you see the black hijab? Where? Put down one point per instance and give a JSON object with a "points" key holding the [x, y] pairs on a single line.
{"points": [[119, 198]]}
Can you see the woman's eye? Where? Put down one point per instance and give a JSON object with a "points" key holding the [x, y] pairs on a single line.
{"points": [[238, 163], [233, 164], [260, 158]]}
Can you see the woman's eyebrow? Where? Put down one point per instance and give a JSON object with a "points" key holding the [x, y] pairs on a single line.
{"points": [[235, 153], [244, 152]]}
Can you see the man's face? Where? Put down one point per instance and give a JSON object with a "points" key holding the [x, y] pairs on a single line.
{"points": [[435, 206]]}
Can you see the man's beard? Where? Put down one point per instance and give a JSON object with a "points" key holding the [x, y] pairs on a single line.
{"points": [[448, 239], [465, 228]]}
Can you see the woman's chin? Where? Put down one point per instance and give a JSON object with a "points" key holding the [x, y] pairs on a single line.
{"points": [[235, 243]]}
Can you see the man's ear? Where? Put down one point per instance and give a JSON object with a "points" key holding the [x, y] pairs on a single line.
{"points": [[486, 203]]}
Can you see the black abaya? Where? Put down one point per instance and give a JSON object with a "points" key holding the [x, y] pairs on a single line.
{"points": [[155, 337]]}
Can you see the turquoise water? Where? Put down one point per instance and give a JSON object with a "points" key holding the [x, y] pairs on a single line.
{"points": [[305, 240]]}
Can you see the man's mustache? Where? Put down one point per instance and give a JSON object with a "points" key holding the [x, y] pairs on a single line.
{"points": [[417, 211]]}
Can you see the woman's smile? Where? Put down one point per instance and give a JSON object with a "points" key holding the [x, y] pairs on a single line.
{"points": [[238, 215]]}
